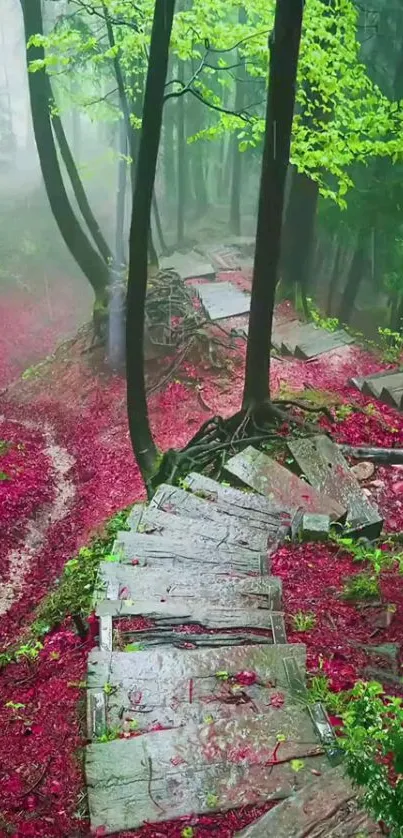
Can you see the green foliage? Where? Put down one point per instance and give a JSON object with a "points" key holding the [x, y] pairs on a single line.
{"points": [[331, 324], [361, 586], [319, 692], [379, 560], [73, 595], [391, 345], [372, 742], [4, 446], [109, 735], [4, 476], [304, 621], [28, 651]]}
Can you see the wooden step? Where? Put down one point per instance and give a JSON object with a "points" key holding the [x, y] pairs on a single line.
{"points": [[226, 529], [328, 807], [221, 300], [322, 463], [197, 769], [118, 581], [206, 498], [171, 687], [156, 551], [278, 483]]}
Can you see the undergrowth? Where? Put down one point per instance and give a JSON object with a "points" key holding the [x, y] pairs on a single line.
{"points": [[72, 596], [361, 586]]}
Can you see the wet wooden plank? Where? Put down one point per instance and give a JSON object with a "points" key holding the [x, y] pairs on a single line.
{"points": [[197, 769], [393, 395], [206, 684], [187, 265], [125, 582], [274, 481], [327, 470], [257, 510], [328, 807], [226, 530], [187, 612], [323, 341], [223, 299], [157, 551]]}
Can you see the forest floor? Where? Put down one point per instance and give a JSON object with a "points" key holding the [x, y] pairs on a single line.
{"points": [[66, 465]]}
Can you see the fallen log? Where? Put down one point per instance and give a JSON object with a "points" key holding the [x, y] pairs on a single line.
{"points": [[391, 456]]}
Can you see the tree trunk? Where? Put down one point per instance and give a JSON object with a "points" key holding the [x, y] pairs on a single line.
{"points": [[237, 156], [121, 199], [90, 262], [298, 234], [334, 280], [140, 433], [355, 275], [181, 162], [284, 48]]}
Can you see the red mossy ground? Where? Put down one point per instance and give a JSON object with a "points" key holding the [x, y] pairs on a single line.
{"points": [[41, 743]]}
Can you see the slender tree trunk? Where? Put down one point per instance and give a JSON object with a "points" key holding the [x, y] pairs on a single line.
{"points": [[158, 224], [355, 276], [334, 280], [284, 48], [90, 262], [237, 156], [143, 444], [121, 198], [298, 234], [181, 162]]}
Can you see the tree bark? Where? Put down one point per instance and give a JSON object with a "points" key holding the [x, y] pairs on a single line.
{"points": [[181, 162], [284, 48], [140, 433], [237, 156], [90, 262], [355, 275], [121, 198], [298, 233]]}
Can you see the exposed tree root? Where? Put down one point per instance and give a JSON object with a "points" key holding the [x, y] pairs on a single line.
{"points": [[218, 439]]}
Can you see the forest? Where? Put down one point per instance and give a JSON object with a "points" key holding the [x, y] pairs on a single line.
{"points": [[201, 418]]}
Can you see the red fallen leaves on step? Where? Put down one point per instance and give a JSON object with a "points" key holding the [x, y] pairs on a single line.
{"points": [[277, 700], [246, 678]]}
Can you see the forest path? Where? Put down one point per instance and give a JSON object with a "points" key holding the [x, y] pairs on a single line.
{"points": [[205, 709]]}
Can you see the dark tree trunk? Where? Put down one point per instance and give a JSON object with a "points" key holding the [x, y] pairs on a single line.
{"points": [[170, 177], [334, 280], [355, 276], [140, 433], [181, 162], [284, 48], [298, 234], [237, 156], [90, 262], [158, 224], [121, 198]]}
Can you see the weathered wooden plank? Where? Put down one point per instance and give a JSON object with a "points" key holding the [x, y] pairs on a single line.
{"points": [[187, 265], [178, 612], [222, 299], [158, 551], [196, 769], [327, 470], [226, 530], [207, 685], [274, 481], [320, 343], [258, 510], [328, 807], [125, 582], [393, 395]]}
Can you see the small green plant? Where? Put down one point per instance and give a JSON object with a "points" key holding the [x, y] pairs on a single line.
{"points": [[391, 345], [4, 446], [372, 742], [4, 475], [331, 324], [343, 411], [361, 586], [319, 692], [109, 735], [362, 551], [35, 370], [304, 621]]}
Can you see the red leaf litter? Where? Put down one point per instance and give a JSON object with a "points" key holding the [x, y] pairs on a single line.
{"points": [[75, 416]]}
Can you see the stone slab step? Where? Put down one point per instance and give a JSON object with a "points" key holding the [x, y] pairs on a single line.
{"points": [[156, 551], [222, 300], [188, 265], [248, 508], [118, 581], [274, 481], [374, 386], [328, 472], [320, 343], [393, 395], [135, 515], [172, 687], [327, 808], [199, 768], [226, 529]]}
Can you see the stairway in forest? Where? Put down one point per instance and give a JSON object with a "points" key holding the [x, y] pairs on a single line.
{"points": [[202, 706], [385, 386]]}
